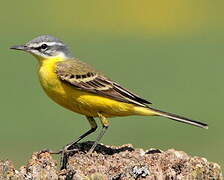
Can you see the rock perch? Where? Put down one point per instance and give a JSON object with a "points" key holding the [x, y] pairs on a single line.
{"points": [[114, 163]]}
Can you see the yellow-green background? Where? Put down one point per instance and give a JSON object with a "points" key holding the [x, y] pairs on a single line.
{"points": [[169, 52]]}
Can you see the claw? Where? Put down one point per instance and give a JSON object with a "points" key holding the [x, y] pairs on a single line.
{"points": [[56, 152], [49, 151]]}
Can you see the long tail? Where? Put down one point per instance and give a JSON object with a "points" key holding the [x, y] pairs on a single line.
{"points": [[179, 118], [149, 111]]}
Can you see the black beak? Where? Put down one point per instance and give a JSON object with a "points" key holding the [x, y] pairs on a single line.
{"points": [[20, 47]]}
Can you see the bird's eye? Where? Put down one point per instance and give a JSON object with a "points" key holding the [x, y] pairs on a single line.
{"points": [[43, 46]]}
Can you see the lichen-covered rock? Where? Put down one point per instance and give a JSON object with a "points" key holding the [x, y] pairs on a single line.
{"points": [[8, 172], [115, 163], [40, 166]]}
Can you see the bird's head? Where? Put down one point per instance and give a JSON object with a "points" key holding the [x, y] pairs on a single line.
{"points": [[45, 47]]}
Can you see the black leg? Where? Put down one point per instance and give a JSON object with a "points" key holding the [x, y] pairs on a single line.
{"points": [[93, 128], [67, 149]]}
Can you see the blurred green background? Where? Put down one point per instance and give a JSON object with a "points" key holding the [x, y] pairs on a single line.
{"points": [[169, 52]]}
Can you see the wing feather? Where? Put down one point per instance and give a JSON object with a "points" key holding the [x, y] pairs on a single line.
{"points": [[84, 77]]}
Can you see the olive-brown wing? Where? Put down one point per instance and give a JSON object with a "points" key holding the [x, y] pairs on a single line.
{"points": [[82, 76]]}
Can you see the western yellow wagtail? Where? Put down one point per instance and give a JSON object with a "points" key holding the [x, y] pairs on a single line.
{"points": [[77, 86]]}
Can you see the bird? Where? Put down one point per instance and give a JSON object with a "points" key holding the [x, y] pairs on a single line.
{"points": [[79, 87]]}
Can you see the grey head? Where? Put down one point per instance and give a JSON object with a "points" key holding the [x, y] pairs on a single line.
{"points": [[45, 46]]}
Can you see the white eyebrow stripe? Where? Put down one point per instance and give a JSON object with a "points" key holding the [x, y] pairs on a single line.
{"points": [[35, 45]]}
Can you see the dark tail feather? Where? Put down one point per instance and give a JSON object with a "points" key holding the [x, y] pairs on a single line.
{"points": [[180, 118]]}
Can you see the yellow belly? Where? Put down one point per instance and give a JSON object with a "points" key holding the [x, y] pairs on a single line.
{"points": [[79, 101]]}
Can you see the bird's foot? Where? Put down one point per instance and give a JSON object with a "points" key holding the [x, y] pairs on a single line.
{"points": [[50, 151], [65, 153]]}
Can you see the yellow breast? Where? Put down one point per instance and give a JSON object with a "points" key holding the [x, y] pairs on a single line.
{"points": [[76, 100]]}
